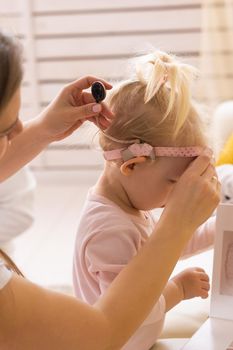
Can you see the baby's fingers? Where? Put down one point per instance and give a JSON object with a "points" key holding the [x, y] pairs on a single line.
{"points": [[199, 269], [204, 294], [203, 276], [205, 286], [204, 289]]}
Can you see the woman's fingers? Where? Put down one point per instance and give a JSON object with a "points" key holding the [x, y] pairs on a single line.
{"points": [[195, 195], [85, 83], [100, 121], [103, 119], [86, 111], [84, 105], [218, 189], [209, 173], [87, 97], [200, 164], [105, 111]]}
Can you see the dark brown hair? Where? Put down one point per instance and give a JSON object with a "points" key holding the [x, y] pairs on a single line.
{"points": [[11, 71]]}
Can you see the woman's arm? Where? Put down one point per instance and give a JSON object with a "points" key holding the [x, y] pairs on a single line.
{"points": [[60, 119], [34, 318], [26, 146], [52, 321]]}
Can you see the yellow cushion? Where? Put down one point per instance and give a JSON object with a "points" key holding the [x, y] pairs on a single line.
{"points": [[226, 156]]}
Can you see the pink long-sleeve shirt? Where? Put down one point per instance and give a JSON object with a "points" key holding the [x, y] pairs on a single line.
{"points": [[106, 241]]}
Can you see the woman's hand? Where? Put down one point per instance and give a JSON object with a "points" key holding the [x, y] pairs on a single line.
{"points": [[196, 194], [71, 108]]}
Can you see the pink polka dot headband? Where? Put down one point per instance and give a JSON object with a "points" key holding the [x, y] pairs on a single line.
{"points": [[145, 150]]}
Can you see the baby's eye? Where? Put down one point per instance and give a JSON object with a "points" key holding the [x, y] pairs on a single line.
{"points": [[172, 181]]}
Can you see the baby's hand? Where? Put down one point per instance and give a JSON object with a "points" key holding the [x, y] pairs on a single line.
{"points": [[193, 282]]}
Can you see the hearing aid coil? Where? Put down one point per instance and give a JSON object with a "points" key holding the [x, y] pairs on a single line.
{"points": [[98, 91]]}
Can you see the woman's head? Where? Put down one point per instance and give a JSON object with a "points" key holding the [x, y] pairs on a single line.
{"points": [[156, 108], [10, 80]]}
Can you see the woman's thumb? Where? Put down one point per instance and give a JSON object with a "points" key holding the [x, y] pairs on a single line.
{"points": [[88, 110]]}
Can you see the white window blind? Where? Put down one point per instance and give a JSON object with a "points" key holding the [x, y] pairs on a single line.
{"points": [[66, 39]]}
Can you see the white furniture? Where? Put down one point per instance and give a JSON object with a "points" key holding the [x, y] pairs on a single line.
{"points": [[217, 332], [222, 125]]}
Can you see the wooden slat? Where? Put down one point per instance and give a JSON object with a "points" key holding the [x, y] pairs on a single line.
{"points": [[61, 5], [220, 69], [26, 75], [222, 81], [9, 7], [130, 21], [70, 70], [127, 45], [26, 94], [219, 45], [49, 91]]}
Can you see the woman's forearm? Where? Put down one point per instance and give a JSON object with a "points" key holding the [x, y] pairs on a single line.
{"points": [[55, 321], [135, 291], [25, 147]]}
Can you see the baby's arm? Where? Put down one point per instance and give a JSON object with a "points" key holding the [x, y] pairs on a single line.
{"points": [[202, 239], [190, 283]]}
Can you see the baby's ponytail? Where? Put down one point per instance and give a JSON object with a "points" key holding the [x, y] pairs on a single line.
{"points": [[168, 80], [155, 106]]}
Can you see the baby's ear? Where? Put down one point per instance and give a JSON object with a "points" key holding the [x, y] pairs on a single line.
{"points": [[128, 166]]}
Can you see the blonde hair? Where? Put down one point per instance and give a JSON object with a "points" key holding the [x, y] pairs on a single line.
{"points": [[156, 106]]}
